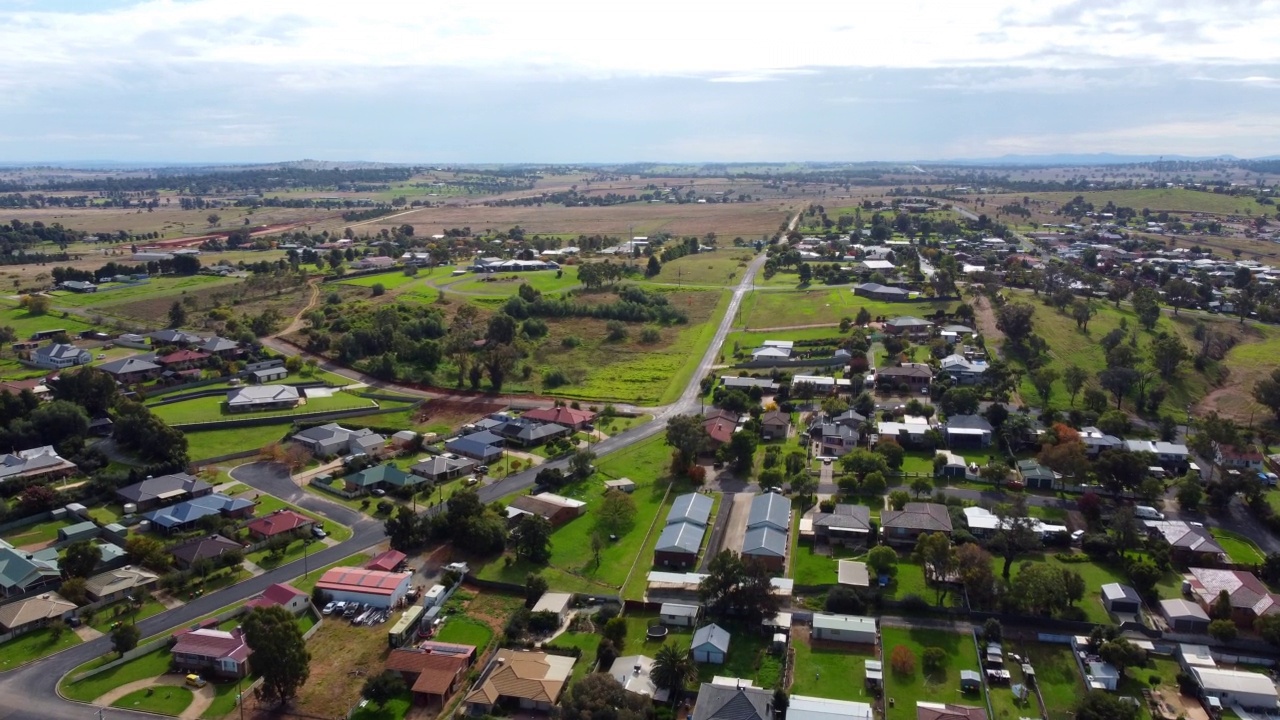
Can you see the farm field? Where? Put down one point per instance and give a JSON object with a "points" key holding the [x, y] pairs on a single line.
{"points": [[821, 306], [722, 268], [1156, 200], [942, 685], [208, 409]]}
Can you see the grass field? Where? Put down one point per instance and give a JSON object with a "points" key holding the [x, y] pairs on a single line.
{"points": [[389, 280], [722, 268], [826, 306], [573, 567], [465, 631], [1156, 200], [33, 646], [156, 287], [809, 568], [42, 532], [152, 664], [25, 324], [507, 284], [939, 686], [1095, 576], [1239, 548], [395, 709], [829, 671], [208, 409], [119, 611], [1248, 362], [163, 700], [203, 444], [1057, 676]]}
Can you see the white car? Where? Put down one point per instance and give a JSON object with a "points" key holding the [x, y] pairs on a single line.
{"points": [[1146, 512]]}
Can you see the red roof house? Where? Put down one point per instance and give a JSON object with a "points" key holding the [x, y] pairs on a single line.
{"points": [[719, 430], [182, 359], [566, 416], [432, 676], [213, 652], [278, 522], [386, 562], [284, 595]]}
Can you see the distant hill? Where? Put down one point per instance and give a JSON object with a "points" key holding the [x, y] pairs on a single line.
{"points": [[1075, 159]]}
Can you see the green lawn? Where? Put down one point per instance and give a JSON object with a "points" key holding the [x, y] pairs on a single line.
{"points": [[389, 280], [828, 672], [908, 579], [465, 631], [1057, 676], [224, 699], [638, 583], [771, 308], [1095, 576], [638, 642], [939, 686], [163, 700], [809, 568], [507, 284], [214, 408], [573, 566], [203, 444], [25, 324], [108, 615], [122, 293], [1003, 702], [1239, 548], [152, 664], [395, 709], [748, 658], [293, 552], [588, 643], [33, 646], [42, 532]]}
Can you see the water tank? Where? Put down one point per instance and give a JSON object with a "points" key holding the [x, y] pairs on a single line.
{"points": [[144, 526], [130, 508]]}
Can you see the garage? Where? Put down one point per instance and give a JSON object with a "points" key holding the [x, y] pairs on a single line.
{"points": [[373, 587]]}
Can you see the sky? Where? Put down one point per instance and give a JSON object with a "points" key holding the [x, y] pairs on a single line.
{"points": [[578, 81]]}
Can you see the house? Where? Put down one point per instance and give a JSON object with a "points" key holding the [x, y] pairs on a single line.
{"points": [[373, 262], [833, 439], [766, 385], [438, 468], [433, 677], [878, 265], [185, 515], [1036, 476], [561, 415], [846, 524], [524, 679], [1184, 616], [1249, 690], [692, 508], [388, 561], [771, 353], [844, 628], [36, 386], [626, 485], [775, 425], [22, 573], [34, 612], [60, 355], [876, 291], [173, 337], [770, 510], [850, 419], [133, 340], [40, 462], [948, 711], [222, 347], [1190, 656], [210, 547], [710, 644], [912, 375], [1121, 599], [282, 595], [277, 523], [634, 674], [1189, 544], [263, 397], [908, 326], [968, 431], [904, 527], [768, 523], [555, 509], [679, 615], [118, 583], [1171, 456], [372, 587], [554, 602], [681, 537], [1250, 597], [1238, 458], [733, 700], [983, 524], [163, 490], [330, 439], [77, 286], [963, 370], [720, 430], [381, 477], [802, 707], [483, 446], [209, 651], [183, 359], [1096, 442], [85, 530], [525, 433], [133, 369], [269, 375]]}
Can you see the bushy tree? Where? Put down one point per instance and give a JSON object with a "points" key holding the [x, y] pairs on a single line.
{"points": [[599, 696], [280, 654]]}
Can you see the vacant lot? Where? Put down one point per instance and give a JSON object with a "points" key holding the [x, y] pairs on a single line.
{"points": [[342, 656], [941, 685], [825, 306], [38, 534], [507, 284], [203, 444], [722, 268], [1247, 363], [1057, 675]]}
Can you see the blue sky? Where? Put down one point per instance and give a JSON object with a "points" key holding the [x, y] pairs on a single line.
{"points": [[589, 81]]}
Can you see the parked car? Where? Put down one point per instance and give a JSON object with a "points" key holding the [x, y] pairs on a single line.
{"points": [[318, 532], [196, 681], [328, 609], [379, 492], [1146, 512], [482, 470]]}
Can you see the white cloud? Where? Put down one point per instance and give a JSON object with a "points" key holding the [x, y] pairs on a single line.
{"points": [[1244, 135]]}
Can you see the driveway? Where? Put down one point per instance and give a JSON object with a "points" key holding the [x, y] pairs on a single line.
{"points": [[274, 479], [201, 698], [735, 529]]}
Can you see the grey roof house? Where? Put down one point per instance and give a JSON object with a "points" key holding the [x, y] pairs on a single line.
{"points": [[34, 462], [742, 701], [60, 355], [846, 524], [968, 431], [710, 644], [329, 439], [915, 518], [263, 397], [163, 490], [483, 446]]}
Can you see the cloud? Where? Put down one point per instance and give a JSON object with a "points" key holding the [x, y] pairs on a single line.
{"points": [[1242, 135]]}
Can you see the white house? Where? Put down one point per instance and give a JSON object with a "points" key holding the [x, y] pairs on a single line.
{"points": [[1236, 687], [844, 628], [801, 707], [60, 355], [555, 602], [679, 614]]}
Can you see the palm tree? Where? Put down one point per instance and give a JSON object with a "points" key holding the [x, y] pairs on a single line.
{"points": [[673, 668]]}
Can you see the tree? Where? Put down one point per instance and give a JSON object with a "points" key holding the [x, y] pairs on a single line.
{"points": [[1190, 493], [214, 219], [898, 499], [73, 589], [1223, 630], [1147, 306], [617, 512], [381, 688], [741, 451], [874, 484], [1268, 626], [1043, 380], [1119, 290], [974, 569], [1073, 379], [653, 268], [673, 669], [1122, 654], [933, 659], [882, 560], [1102, 705], [1167, 352], [280, 654], [599, 696], [1267, 392], [686, 434], [1015, 321], [177, 315], [891, 451], [580, 464], [534, 586], [532, 539], [902, 660], [933, 550], [1220, 608], [1180, 293], [1016, 532], [80, 559], [1082, 311], [1118, 381], [124, 637], [740, 588]]}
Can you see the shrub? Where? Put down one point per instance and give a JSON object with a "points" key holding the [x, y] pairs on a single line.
{"points": [[650, 336], [379, 289], [571, 342], [554, 379], [934, 659], [902, 660]]}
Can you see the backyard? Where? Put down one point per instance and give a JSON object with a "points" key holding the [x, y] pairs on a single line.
{"points": [[1056, 675], [828, 669], [904, 689]]}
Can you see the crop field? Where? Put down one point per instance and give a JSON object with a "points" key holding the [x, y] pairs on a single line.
{"points": [[169, 220], [213, 408], [821, 306], [1156, 200], [941, 685], [722, 268]]}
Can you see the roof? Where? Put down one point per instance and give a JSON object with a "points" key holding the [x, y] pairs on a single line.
{"points": [[261, 394], [765, 540], [60, 350], [163, 487], [844, 623], [773, 509], [729, 702], [530, 675], [801, 707], [359, 580], [1246, 591], [947, 711], [713, 635], [555, 602], [560, 415], [212, 643], [878, 288], [196, 508], [280, 521], [327, 433], [720, 430], [1214, 679], [182, 356], [1116, 591], [120, 579], [379, 474], [277, 594], [909, 370], [691, 507], [205, 547], [930, 517], [679, 610], [217, 344], [634, 673], [968, 422], [963, 364], [34, 609], [1185, 536], [480, 440], [775, 417], [535, 505], [20, 570], [1032, 470], [439, 465], [907, 321], [681, 537], [174, 337], [386, 561], [1179, 609], [852, 573], [128, 366], [31, 460], [856, 518]]}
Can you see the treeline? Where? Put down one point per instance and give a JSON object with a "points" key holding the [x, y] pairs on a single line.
{"points": [[371, 213], [39, 200], [570, 198], [211, 181], [633, 305], [179, 265], [17, 236]]}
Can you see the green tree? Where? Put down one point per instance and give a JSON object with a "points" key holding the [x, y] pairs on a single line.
{"points": [[1223, 630], [673, 669], [124, 637], [1167, 352], [532, 539], [1268, 627], [1190, 492], [1015, 321], [898, 499], [1122, 654], [177, 315], [739, 588], [80, 559], [617, 512], [1102, 705], [1267, 392], [601, 697], [741, 451], [892, 453], [580, 464], [1073, 379], [653, 268], [1147, 306], [933, 550], [1042, 380], [280, 655], [882, 560], [73, 589], [382, 688], [686, 434], [921, 486], [1016, 534]]}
